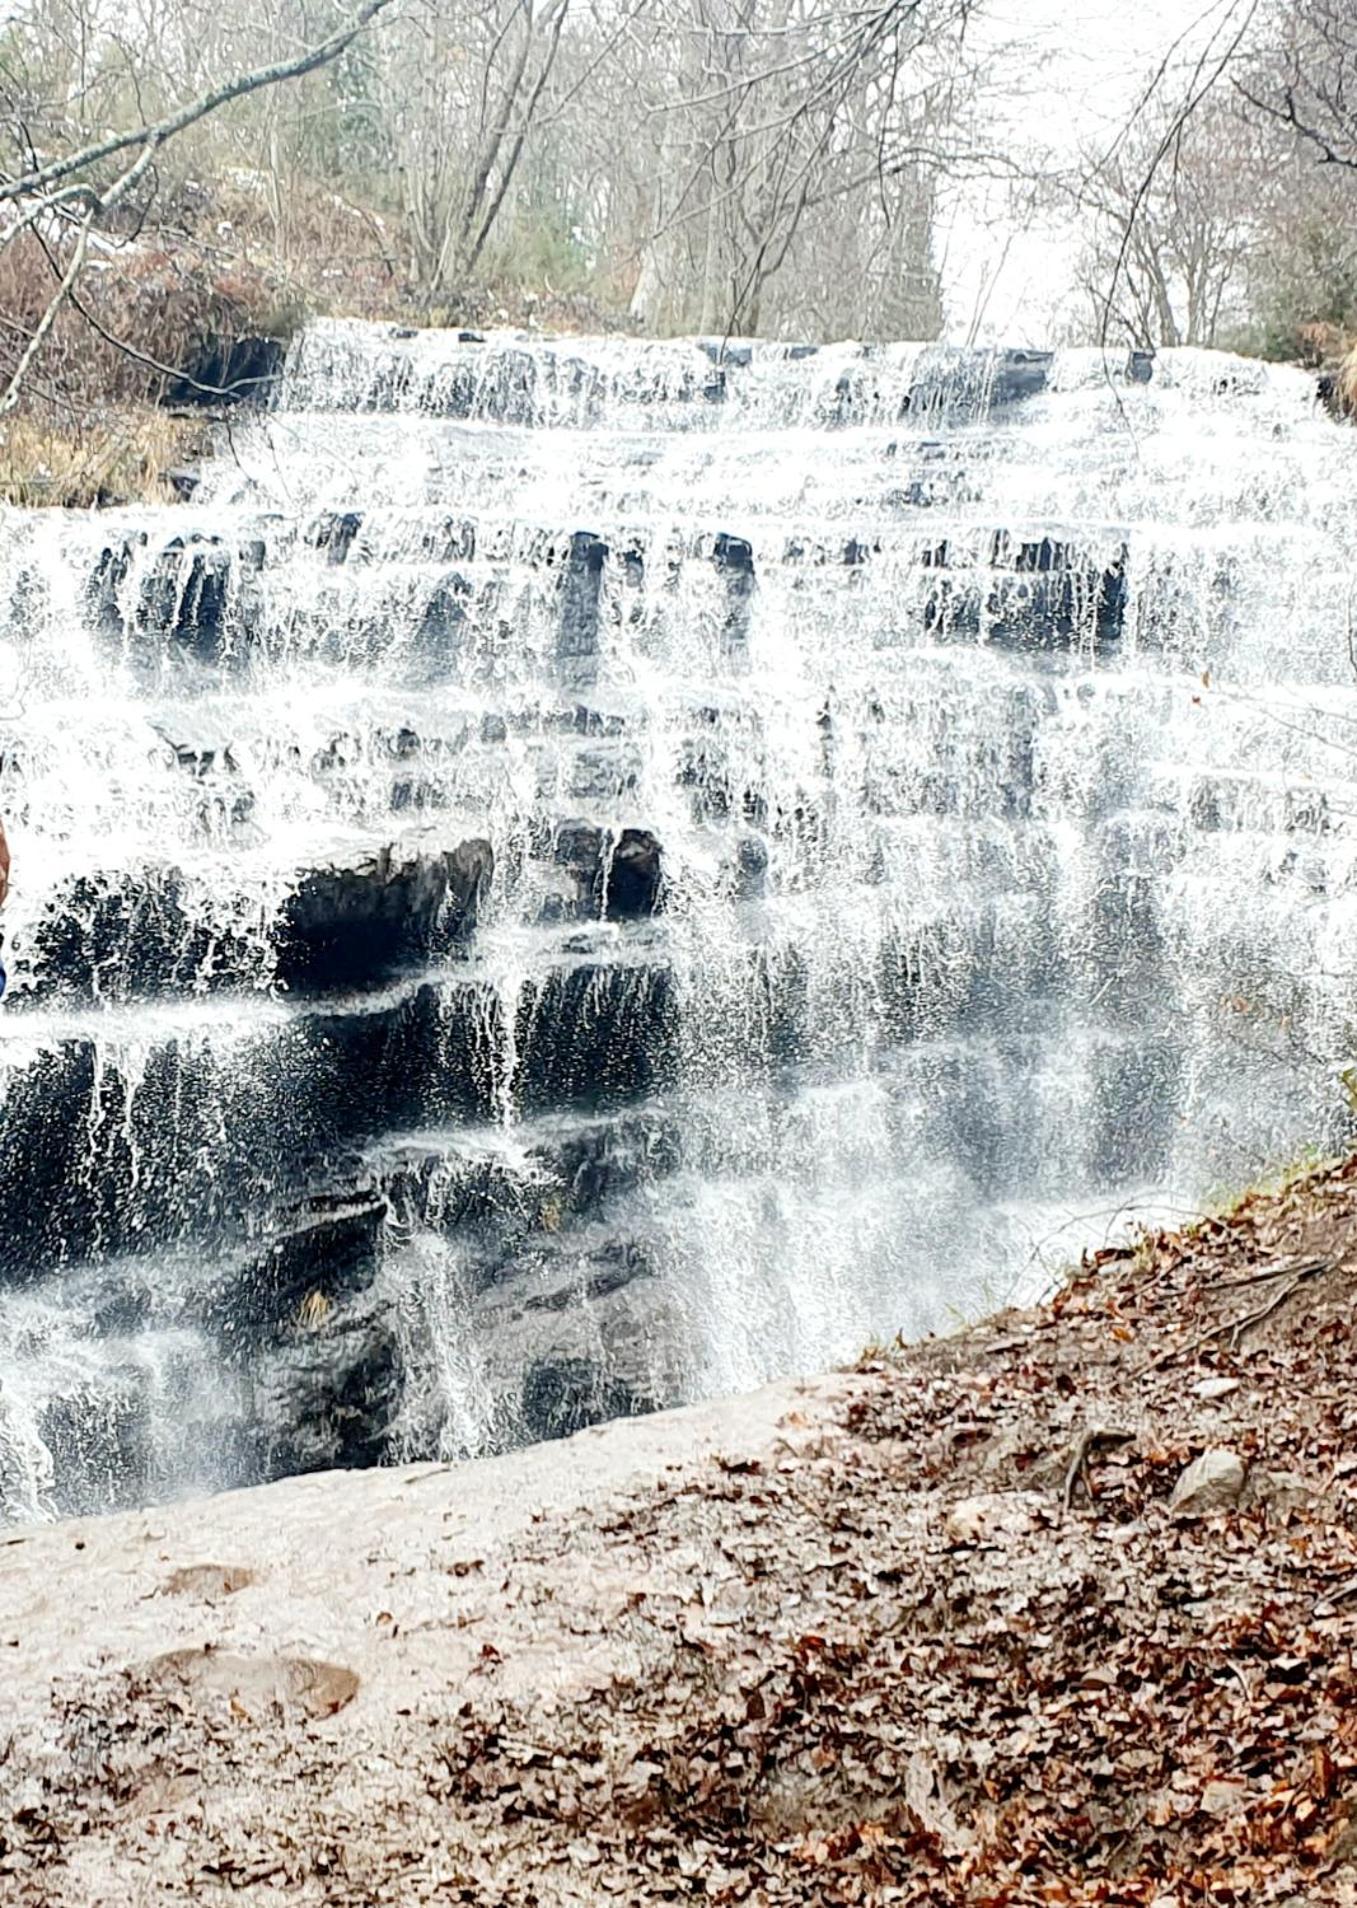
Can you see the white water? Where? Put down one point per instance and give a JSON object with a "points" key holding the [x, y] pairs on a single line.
{"points": [[989, 918]]}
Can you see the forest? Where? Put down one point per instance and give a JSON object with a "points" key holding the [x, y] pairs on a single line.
{"points": [[804, 170]]}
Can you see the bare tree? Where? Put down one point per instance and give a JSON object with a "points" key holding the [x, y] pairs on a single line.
{"points": [[774, 133], [1177, 216], [1307, 80], [63, 197]]}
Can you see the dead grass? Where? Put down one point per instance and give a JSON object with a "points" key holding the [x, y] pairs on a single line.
{"points": [[140, 316], [122, 457]]}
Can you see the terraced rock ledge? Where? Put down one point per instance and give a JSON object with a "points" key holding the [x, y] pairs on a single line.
{"points": [[1058, 1610]]}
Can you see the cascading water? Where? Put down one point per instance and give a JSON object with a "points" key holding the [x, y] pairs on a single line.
{"points": [[574, 875]]}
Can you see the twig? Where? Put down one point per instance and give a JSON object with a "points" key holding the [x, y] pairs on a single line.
{"points": [[1297, 1268], [1102, 1436], [1242, 1325]]}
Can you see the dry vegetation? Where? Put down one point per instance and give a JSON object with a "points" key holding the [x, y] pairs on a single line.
{"points": [[108, 456]]}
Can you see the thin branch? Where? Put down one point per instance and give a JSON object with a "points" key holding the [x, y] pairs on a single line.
{"points": [[42, 178]]}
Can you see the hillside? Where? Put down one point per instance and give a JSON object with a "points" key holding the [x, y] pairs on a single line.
{"points": [[1058, 1610]]}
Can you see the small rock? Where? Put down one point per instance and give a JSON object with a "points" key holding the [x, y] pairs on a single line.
{"points": [[1213, 1389], [1281, 1490], [1213, 1483], [994, 1517]]}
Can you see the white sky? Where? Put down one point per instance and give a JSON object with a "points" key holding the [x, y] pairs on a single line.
{"points": [[1081, 68]]}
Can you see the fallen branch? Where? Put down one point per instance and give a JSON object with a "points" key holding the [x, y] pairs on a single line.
{"points": [[1297, 1268]]}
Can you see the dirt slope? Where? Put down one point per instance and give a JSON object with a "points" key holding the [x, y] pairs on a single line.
{"points": [[931, 1632]]}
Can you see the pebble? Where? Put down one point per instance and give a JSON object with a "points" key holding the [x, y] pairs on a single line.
{"points": [[1212, 1389]]}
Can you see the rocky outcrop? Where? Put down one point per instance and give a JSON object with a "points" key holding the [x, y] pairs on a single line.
{"points": [[164, 931]]}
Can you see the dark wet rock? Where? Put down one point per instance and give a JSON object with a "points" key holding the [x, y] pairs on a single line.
{"points": [[734, 559], [580, 1329], [957, 385], [100, 1158], [330, 1254], [226, 371], [1140, 367], [185, 597], [444, 614], [751, 866], [327, 1389], [111, 937], [564, 1395], [103, 590], [183, 482], [354, 927], [633, 877], [723, 352], [605, 876], [1020, 374], [575, 1167], [103, 1448], [581, 588], [1135, 1086], [1037, 596], [200, 752], [594, 1036], [151, 932]]}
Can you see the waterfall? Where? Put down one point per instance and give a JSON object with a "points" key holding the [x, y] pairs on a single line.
{"points": [[574, 875]]}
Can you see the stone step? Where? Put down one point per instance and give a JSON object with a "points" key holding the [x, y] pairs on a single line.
{"points": [[344, 927], [113, 1141]]}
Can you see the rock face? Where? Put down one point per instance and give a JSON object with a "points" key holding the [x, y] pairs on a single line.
{"points": [[352, 927], [1214, 1482]]}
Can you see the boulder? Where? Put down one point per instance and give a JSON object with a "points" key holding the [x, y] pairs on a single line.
{"points": [[1281, 1490], [1215, 1482], [1213, 1390]]}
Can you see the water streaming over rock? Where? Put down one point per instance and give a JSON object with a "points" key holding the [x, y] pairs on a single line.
{"points": [[573, 875]]}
